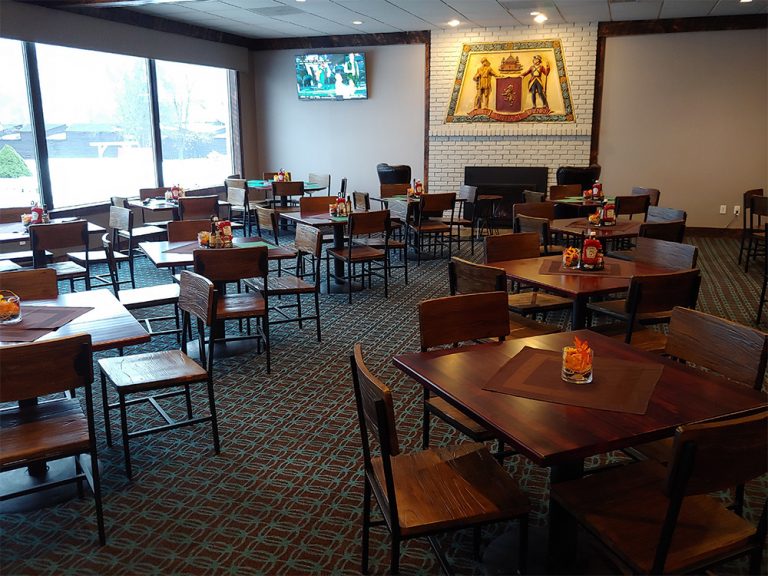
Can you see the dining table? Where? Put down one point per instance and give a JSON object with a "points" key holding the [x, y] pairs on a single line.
{"points": [[514, 388], [17, 232], [548, 274], [164, 254], [580, 228], [309, 187]]}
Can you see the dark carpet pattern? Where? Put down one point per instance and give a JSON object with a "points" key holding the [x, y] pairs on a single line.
{"points": [[284, 496]]}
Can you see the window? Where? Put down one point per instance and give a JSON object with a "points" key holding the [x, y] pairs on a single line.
{"points": [[18, 165], [97, 124], [194, 124]]}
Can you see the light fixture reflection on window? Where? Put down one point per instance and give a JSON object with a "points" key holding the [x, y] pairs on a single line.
{"points": [[453, 23]]}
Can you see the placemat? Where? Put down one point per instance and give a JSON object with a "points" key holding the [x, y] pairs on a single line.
{"points": [[586, 224], [253, 244], [617, 385], [15, 334], [48, 317], [184, 248], [610, 269]]}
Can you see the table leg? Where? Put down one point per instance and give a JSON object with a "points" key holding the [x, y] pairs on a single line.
{"points": [[339, 285], [563, 543], [579, 313]]}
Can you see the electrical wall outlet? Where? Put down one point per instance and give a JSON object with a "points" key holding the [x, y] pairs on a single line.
{"points": [[723, 209], [736, 209]]}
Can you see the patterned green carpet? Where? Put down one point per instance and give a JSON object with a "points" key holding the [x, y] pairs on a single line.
{"points": [[284, 496]]}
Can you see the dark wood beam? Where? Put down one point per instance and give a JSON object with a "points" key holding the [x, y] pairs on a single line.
{"points": [[669, 26], [386, 39]]}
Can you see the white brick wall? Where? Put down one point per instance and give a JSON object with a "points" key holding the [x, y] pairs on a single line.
{"points": [[455, 145]]}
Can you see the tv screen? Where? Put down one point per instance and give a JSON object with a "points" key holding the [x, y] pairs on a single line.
{"points": [[331, 76]]}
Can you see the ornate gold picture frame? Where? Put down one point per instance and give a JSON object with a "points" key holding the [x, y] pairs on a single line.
{"points": [[522, 81]]}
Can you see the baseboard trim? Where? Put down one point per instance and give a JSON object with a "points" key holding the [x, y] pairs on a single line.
{"points": [[713, 232]]}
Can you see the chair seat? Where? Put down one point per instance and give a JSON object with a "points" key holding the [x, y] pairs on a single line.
{"points": [[527, 302], [660, 451], [432, 227], [234, 306], [66, 270], [142, 232], [616, 309], [522, 327], [458, 419], [23, 257], [627, 506], [149, 296], [360, 253], [282, 285], [58, 428], [95, 257], [481, 491], [149, 371], [280, 253]]}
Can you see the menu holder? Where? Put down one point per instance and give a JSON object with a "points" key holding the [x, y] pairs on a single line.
{"points": [[617, 385]]}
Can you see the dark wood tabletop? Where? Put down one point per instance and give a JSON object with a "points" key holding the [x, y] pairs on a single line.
{"points": [[158, 252], [109, 323], [554, 434], [581, 227], [17, 232], [581, 286]]}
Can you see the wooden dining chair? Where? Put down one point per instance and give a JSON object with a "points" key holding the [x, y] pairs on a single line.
{"points": [[357, 252], [536, 217], [531, 197], [12, 215], [267, 222], [198, 207], [285, 195], [187, 230], [761, 302], [429, 492], [159, 218], [515, 247], [237, 199], [62, 427], [659, 214], [230, 266], [758, 216], [361, 201], [560, 191], [661, 520], [661, 253], [120, 220], [136, 234], [746, 217], [144, 297], [672, 231], [650, 300], [164, 374], [323, 180], [653, 194], [632, 205], [308, 245], [49, 237], [390, 190], [429, 225], [33, 284]]}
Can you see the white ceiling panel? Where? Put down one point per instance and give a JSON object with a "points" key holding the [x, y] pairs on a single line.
{"points": [[585, 11], [436, 12], [482, 13], [734, 7], [681, 8], [386, 12], [639, 10]]}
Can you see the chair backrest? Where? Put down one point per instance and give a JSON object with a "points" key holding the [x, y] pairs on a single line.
{"points": [[13, 215], [535, 209], [237, 192], [758, 209], [373, 222], [529, 196], [560, 191], [746, 205], [321, 179], [393, 173], [119, 201], [309, 240], [672, 231], [58, 365], [120, 219], [145, 193], [511, 247], [181, 230], [662, 292], [361, 200], [653, 193], [55, 237], [433, 205], [657, 214], [271, 175], [389, 190], [667, 254], [467, 193], [267, 220], [280, 189], [343, 187], [630, 205], [315, 204], [232, 264], [34, 284], [736, 351], [584, 177], [466, 277], [465, 317], [198, 207], [538, 226], [109, 251], [197, 296]]}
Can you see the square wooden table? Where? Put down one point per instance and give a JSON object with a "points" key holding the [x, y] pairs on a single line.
{"points": [[560, 436], [158, 251], [580, 228], [17, 232], [577, 285]]}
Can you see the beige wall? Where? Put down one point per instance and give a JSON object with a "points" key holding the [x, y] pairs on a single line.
{"points": [[347, 138], [686, 113]]}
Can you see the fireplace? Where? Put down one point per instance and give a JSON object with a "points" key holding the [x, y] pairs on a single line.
{"points": [[508, 182]]}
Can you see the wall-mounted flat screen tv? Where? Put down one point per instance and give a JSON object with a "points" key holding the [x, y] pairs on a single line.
{"points": [[331, 76]]}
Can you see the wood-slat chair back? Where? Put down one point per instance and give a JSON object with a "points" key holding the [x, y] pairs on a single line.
{"points": [[280, 189], [266, 219], [145, 193], [315, 204], [466, 277], [60, 365], [232, 265], [237, 194], [183, 230], [454, 319], [309, 240], [658, 214], [631, 205], [323, 180], [667, 254], [119, 201], [390, 190], [374, 222], [467, 193], [662, 292], [434, 205], [672, 231], [736, 351], [361, 200], [532, 197], [560, 191], [197, 297], [56, 237], [535, 209], [12, 215], [653, 193], [198, 207], [120, 219], [34, 284], [511, 247]]}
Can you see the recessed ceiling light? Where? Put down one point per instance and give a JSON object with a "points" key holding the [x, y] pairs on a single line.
{"points": [[540, 18], [535, 13], [301, 0], [453, 23], [744, 1], [357, 22]]}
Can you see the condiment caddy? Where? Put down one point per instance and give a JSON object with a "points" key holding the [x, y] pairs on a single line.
{"points": [[220, 235]]}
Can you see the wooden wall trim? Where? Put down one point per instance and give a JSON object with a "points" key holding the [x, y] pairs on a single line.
{"points": [[597, 101], [427, 99], [386, 39]]}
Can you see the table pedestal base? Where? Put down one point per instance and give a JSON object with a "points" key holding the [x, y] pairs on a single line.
{"points": [[340, 287], [500, 555], [224, 349]]}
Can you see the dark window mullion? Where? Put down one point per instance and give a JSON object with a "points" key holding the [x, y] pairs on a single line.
{"points": [[236, 135], [154, 114], [38, 123]]}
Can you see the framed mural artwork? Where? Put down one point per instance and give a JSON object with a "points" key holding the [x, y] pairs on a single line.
{"points": [[522, 81]]}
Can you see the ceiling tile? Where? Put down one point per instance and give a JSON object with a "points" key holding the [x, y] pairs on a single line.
{"points": [[584, 10], [482, 13], [734, 8], [686, 8], [642, 10]]}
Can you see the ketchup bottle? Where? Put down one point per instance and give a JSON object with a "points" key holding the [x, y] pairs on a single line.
{"points": [[37, 213], [591, 252]]}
